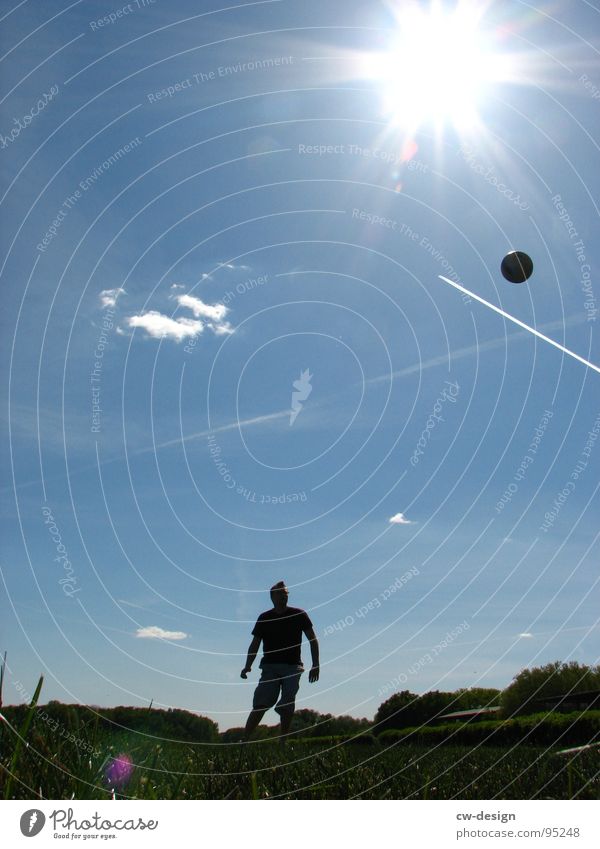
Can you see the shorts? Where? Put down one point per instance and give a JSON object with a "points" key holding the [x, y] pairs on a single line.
{"points": [[276, 679]]}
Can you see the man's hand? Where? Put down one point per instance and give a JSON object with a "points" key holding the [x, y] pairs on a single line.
{"points": [[246, 670], [313, 675]]}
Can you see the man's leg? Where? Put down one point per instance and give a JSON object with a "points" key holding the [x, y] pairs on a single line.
{"points": [[256, 714], [265, 696], [286, 723], [290, 682]]}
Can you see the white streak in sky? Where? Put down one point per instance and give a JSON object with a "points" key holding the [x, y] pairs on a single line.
{"points": [[521, 324]]}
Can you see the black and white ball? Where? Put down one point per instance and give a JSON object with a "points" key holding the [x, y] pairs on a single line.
{"points": [[517, 267]]}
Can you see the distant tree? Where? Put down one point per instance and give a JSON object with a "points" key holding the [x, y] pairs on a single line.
{"points": [[407, 710], [169, 724], [531, 686], [232, 735], [477, 697], [350, 725], [434, 704], [306, 720], [311, 723], [306, 723], [399, 711], [172, 724]]}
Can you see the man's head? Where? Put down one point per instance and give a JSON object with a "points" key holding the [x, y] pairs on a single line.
{"points": [[279, 595]]}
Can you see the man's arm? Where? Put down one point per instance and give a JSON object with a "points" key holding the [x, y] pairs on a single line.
{"points": [[313, 675], [252, 651]]}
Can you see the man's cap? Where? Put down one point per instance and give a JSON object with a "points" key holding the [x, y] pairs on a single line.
{"points": [[280, 585]]}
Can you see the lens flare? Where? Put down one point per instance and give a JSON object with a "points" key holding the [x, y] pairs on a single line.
{"points": [[119, 770]]}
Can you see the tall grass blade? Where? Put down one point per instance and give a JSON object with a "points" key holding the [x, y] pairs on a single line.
{"points": [[22, 734], [2, 677]]}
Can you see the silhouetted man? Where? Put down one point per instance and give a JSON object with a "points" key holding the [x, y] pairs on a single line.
{"points": [[280, 630]]}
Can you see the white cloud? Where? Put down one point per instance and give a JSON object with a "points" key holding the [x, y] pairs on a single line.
{"points": [[229, 265], [233, 267], [130, 603], [526, 636], [400, 519], [161, 326], [221, 329], [109, 297], [153, 632], [216, 312], [177, 286]]}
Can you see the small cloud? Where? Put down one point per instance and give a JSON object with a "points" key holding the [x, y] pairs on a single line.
{"points": [[221, 329], [130, 603], [153, 632], [177, 286], [400, 519], [109, 297], [161, 326], [232, 267], [526, 636], [216, 312]]}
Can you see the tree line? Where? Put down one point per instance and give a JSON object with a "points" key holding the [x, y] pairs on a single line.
{"points": [[531, 691]]}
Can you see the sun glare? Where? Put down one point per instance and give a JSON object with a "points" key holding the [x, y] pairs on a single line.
{"points": [[437, 68]]}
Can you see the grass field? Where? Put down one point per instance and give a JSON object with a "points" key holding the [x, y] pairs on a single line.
{"points": [[52, 768], [89, 761]]}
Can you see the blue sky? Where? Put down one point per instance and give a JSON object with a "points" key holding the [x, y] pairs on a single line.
{"points": [[237, 227]]}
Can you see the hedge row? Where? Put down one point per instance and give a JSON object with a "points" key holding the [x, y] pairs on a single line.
{"points": [[542, 729], [337, 739]]}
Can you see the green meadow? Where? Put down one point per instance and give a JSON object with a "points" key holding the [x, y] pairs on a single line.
{"points": [[72, 752]]}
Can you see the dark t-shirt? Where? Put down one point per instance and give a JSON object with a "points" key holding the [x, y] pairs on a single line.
{"points": [[281, 634]]}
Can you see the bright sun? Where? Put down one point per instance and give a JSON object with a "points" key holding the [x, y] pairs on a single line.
{"points": [[437, 68]]}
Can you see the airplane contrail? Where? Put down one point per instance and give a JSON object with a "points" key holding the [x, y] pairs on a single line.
{"points": [[520, 323]]}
